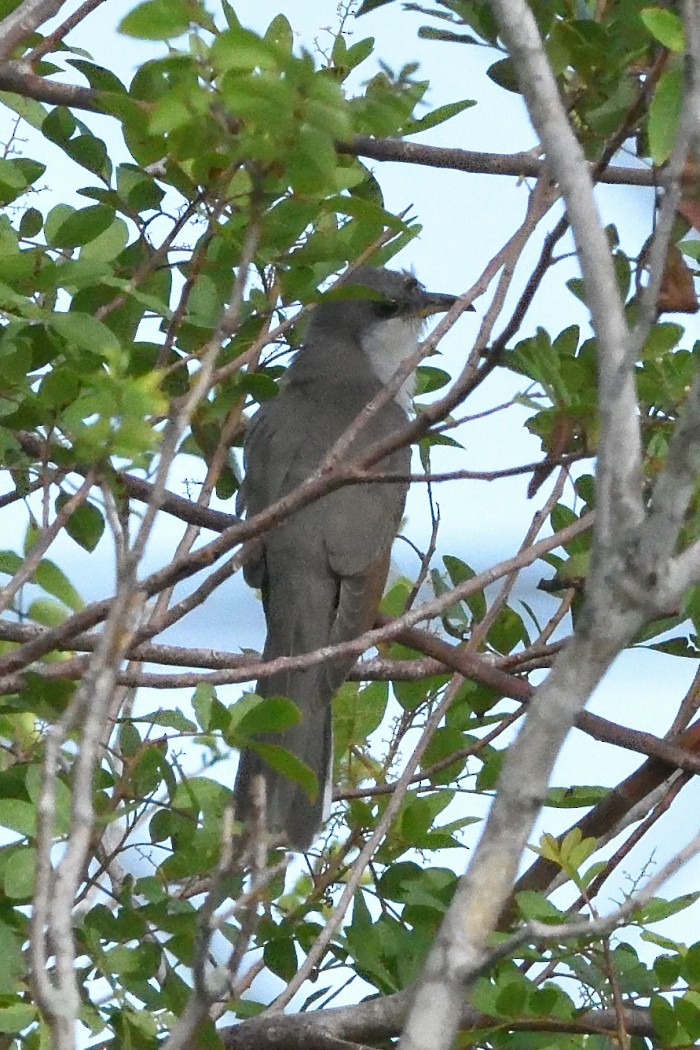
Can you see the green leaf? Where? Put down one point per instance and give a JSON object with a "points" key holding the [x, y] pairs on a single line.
{"points": [[18, 815], [47, 612], [34, 786], [169, 720], [533, 905], [280, 957], [138, 188], [667, 969], [371, 5], [429, 379], [18, 874], [663, 1019], [503, 74], [664, 114], [575, 849], [432, 33], [91, 153], [98, 77], [129, 739], [691, 965], [283, 761], [507, 631], [26, 108], [657, 909], [240, 50], [512, 998], [459, 572], [575, 797], [269, 715], [16, 1017], [210, 713], [158, 19], [662, 942], [676, 647], [280, 33], [665, 26], [437, 116], [12, 968], [489, 773], [690, 248], [9, 562], [109, 244], [54, 581], [446, 741], [82, 227], [662, 339], [85, 525], [16, 174], [124, 960], [31, 223], [358, 53], [357, 712], [82, 330]]}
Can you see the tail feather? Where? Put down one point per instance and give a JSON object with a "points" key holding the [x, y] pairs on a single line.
{"points": [[299, 619], [288, 808], [306, 610]]}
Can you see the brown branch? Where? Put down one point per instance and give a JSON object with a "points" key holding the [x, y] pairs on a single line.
{"points": [[137, 488], [50, 41], [16, 77], [607, 814], [637, 835], [378, 1019], [22, 22], [234, 668], [363, 477], [477, 669], [526, 164], [19, 494], [44, 539], [207, 555]]}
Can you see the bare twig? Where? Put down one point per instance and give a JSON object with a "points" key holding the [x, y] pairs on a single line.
{"points": [[74, 19], [43, 541]]}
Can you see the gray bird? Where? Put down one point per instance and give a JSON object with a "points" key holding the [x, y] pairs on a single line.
{"points": [[322, 571]]}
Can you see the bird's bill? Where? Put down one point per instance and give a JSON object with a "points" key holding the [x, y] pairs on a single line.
{"points": [[437, 303]]}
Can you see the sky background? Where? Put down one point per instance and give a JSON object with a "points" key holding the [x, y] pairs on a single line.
{"points": [[466, 219]]}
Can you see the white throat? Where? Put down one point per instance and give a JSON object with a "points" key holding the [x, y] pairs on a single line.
{"points": [[387, 345]]}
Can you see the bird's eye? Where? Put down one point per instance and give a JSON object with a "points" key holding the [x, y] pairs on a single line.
{"points": [[388, 308], [410, 283]]}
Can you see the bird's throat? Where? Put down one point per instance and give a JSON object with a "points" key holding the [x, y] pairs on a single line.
{"points": [[387, 345]]}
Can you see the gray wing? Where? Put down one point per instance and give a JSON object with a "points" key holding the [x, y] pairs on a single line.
{"points": [[362, 520], [355, 524]]}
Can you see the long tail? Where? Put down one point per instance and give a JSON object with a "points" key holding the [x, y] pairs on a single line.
{"points": [[300, 610]]}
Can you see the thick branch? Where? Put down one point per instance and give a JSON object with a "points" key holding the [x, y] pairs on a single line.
{"points": [[380, 1018], [16, 77], [521, 165]]}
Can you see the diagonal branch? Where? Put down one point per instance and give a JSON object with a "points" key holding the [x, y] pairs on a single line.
{"points": [[21, 23]]}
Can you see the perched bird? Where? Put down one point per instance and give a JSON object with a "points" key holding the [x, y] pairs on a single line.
{"points": [[322, 571]]}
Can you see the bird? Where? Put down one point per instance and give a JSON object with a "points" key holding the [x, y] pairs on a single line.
{"points": [[322, 570]]}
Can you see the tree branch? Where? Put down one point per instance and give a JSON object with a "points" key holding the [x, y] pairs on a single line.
{"points": [[527, 164], [23, 21]]}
